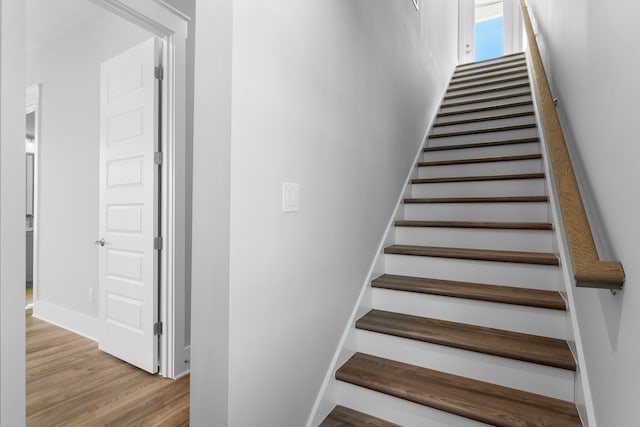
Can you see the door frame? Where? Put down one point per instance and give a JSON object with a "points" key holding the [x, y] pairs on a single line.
{"points": [[171, 25], [512, 29], [33, 105]]}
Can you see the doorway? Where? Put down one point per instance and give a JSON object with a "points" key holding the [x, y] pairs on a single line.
{"points": [[66, 207], [488, 29]]}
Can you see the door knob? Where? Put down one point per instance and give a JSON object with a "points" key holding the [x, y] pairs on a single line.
{"points": [[99, 242]]}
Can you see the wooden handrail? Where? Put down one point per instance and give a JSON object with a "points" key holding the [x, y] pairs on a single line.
{"points": [[588, 269]]}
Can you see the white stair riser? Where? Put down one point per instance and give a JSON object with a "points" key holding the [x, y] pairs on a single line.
{"points": [[489, 124], [476, 238], [524, 212], [457, 90], [487, 113], [490, 66], [510, 187], [396, 410], [531, 377], [520, 98], [503, 135], [471, 153], [482, 169], [480, 96], [493, 74], [528, 320], [498, 273], [487, 79]]}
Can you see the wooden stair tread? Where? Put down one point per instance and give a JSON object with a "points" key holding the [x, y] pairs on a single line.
{"points": [[537, 175], [536, 156], [341, 416], [483, 144], [485, 119], [488, 90], [489, 75], [496, 342], [480, 65], [461, 74], [487, 108], [541, 258], [497, 199], [476, 291], [478, 400], [476, 224], [454, 86], [487, 99], [480, 131]]}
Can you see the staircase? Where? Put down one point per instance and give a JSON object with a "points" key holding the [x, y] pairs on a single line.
{"points": [[467, 325]]}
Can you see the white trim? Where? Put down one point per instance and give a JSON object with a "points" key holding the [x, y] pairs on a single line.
{"points": [[582, 390], [33, 105], [173, 10], [315, 417], [74, 321]]}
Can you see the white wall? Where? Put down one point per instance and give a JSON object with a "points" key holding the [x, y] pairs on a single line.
{"points": [[333, 95], [12, 213], [588, 51], [68, 68], [211, 215]]}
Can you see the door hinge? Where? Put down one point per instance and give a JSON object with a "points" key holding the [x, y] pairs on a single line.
{"points": [[159, 72], [157, 328], [157, 158], [157, 243]]}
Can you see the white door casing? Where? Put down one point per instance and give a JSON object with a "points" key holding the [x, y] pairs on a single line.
{"points": [[512, 29], [128, 205]]}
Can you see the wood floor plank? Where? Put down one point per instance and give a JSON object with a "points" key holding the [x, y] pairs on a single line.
{"points": [[70, 382], [478, 400], [541, 258], [476, 291], [347, 417], [513, 345]]}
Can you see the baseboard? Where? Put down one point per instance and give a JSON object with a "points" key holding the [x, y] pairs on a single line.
{"points": [[187, 358], [76, 322], [321, 405]]}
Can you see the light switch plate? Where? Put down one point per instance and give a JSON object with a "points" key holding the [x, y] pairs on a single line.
{"points": [[290, 197]]}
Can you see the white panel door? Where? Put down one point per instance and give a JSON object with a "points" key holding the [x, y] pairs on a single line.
{"points": [[128, 198], [466, 31]]}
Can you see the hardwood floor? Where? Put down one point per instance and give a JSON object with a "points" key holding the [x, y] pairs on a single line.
{"points": [[72, 383]]}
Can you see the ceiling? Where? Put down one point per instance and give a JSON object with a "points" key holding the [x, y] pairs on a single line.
{"points": [[48, 19]]}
